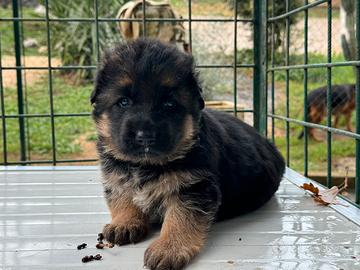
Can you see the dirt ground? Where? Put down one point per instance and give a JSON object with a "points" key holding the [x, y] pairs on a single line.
{"points": [[30, 76]]}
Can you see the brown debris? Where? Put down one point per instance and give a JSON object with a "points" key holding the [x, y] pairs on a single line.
{"points": [[90, 258], [327, 196], [81, 246]]}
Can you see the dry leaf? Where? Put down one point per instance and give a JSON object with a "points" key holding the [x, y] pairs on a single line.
{"points": [[327, 196], [310, 187]]}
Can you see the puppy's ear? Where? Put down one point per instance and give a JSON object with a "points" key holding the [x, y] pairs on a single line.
{"points": [[100, 77], [97, 85]]}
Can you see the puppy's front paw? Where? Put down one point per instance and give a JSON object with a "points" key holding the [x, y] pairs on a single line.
{"points": [[121, 234], [166, 255]]}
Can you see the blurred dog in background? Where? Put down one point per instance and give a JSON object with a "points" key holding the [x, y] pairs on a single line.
{"points": [[342, 103]]}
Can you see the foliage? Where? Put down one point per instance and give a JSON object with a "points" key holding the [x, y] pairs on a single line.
{"points": [[76, 42], [245, 9], [29, 29]]}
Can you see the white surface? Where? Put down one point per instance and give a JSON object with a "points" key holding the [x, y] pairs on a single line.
{"points": [[45, 214]]}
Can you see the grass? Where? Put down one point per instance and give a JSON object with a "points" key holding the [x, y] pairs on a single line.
{"points": [[67, 99], [341, 146], [35, 30]]}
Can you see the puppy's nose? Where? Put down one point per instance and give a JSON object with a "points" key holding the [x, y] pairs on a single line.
{"points": [[145, 137]]}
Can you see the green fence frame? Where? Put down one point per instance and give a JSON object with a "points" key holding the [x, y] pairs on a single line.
{"points": [[305, 67], [263, 67]]}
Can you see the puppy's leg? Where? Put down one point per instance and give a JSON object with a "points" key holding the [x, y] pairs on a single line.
{"points": [[348, 121], [336, 120], [182, 235], [128, 225], [316, 117]]}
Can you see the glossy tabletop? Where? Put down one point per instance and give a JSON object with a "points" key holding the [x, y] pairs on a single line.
{"points": [[45, 213]]}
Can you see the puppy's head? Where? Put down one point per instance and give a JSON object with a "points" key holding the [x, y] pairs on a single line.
{"points": [[147, 102]]}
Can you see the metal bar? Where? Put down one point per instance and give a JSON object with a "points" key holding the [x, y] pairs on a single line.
{"points": [[357, 160], [94, 67], [260, 68], [2, 104], [50, 84], [329, 97], [20, 98], [123, 20], [312, 125], [39, 115], [48, 161], [96, 7], [287, 82], [144, 18], [235, 56], [296, 10], [306, 60], [27, 124], [317, 65], [190, 27], [266, 63], [272, 73]]}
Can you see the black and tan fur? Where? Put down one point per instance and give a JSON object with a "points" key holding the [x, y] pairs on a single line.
{"points": [[342, 103], [165, 157]]}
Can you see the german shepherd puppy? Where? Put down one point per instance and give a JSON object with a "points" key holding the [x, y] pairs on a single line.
{"points": [[342, 103], [163, 155]]}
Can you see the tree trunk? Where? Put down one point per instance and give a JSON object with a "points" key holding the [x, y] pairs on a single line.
{"points": [[347, 31]]}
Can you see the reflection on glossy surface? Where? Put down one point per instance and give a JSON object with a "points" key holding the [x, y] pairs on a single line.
{"points": [[45, 215]]}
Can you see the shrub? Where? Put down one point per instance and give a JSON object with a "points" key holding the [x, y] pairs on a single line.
{"points": [[245, 9], [75, 42]]}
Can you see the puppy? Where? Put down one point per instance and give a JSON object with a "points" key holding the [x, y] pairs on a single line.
{"points": [[342, 103], [163, 155]]}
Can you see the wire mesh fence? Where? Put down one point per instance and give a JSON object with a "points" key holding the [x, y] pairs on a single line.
{"points": [[332, 100], [266, 57]]}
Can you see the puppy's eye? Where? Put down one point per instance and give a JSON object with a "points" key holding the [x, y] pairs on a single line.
{"points": [[170, 104], [124, 102]]}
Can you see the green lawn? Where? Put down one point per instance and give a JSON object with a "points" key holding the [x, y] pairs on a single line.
{"points": [[35, 30], [68, 98]]}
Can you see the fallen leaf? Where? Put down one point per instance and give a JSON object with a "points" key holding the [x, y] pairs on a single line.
{"points": [[310, 187], [327, 196]]}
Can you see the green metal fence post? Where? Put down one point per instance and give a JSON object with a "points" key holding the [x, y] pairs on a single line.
{"points": [[306, 61], [2, 106], [260, 102], [20, 98], [329, 97], [357, 178]]}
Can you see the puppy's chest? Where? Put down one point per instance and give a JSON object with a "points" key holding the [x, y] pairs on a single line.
{"points": [[151, 190]]}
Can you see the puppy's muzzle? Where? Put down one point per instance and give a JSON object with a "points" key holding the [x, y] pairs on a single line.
{"points": [[145, 138]]}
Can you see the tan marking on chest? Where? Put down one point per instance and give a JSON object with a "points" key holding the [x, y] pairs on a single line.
{"points": [[156, 194]]}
